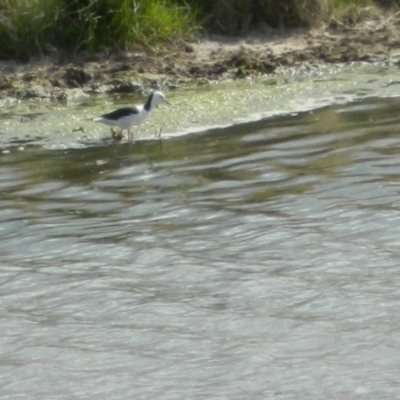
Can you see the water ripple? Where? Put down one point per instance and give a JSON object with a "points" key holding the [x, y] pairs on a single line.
{"points": [[259, 261]]}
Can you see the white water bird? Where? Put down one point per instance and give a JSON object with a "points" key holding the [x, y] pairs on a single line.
{"points": [[127, 117]]}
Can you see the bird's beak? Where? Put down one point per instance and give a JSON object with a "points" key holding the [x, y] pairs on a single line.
{"points": [[167, 103]]}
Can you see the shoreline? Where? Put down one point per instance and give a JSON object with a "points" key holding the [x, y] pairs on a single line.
{"points": [[201, 60]]}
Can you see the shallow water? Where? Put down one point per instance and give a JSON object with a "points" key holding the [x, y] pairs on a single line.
{"points": [[68, 125], [254, 261]]}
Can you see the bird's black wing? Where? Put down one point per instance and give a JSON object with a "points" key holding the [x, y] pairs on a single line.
{"points": [[121, 113]]}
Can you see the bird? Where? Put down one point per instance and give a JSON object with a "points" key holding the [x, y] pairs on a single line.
{"points": [[127, 117]]}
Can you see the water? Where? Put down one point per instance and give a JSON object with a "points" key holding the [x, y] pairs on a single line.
{"points": [[69, 125], [256, 261]]}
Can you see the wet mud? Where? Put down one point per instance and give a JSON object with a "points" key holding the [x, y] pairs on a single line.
{"points": [[200, 60]]}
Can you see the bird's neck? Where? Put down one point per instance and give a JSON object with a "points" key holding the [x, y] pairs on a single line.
{"points": [[147, 106]]}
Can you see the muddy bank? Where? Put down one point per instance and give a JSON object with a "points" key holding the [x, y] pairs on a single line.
{"points": [[201, 60]]}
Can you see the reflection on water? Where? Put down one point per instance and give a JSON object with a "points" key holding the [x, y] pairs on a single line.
{"points": [[259, 261]]}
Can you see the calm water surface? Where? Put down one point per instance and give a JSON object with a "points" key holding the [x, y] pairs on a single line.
{"points": [[260, 261]]}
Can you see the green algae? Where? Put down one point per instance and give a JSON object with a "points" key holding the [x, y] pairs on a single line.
{"points": [[196, 108]]}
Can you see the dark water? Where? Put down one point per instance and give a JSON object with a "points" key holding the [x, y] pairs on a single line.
{"points": [[256, 262]]}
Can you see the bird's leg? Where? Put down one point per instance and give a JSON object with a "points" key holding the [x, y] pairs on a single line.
{"points": [[130, 135], [116, 136]]}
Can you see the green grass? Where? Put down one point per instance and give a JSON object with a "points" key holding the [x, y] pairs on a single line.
{"points": [[32, 27], [37, 27], [149, 21], [26, 24]]}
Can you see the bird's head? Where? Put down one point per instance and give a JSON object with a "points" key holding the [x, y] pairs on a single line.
{"points": [[158, 98]]}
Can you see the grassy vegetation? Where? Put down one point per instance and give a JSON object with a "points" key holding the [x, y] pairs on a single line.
{"points": [[36, 27], [31, 27], [237, 16]]}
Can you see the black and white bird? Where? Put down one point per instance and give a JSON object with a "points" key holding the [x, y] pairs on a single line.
{"points": [[127, 117]]}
